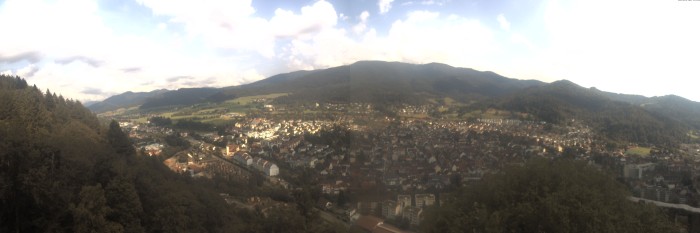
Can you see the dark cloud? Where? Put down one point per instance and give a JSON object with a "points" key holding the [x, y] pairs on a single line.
{"points": [[90, 61], [131, 69], [93, 91], [31, 71], [178, 78], [31, 57]]}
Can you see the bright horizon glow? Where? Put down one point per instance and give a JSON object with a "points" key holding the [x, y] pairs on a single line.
{"points": [[90, 50]]}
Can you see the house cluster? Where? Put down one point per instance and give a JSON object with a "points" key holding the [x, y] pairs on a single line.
{"points": [[410, 208], [260, 164], [663, 177], [153, 149], [143, 131], [265, 129]]}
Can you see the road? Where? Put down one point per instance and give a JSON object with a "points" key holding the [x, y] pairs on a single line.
{"points": [[667, 205]]}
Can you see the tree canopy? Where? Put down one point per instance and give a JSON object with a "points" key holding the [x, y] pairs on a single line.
{"points": [[546, 196], [61, 170]]}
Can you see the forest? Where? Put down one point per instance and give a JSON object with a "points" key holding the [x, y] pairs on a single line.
{"points": [[62, 170], [542, 195]]}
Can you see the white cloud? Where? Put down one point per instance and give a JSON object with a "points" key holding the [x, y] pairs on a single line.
{"points": [[223, 43], [222, 24], [384, 6], [622, 48], [362, 25], [314, 18], [420, 37], [505, 25], [59, 28], [433, 2]]}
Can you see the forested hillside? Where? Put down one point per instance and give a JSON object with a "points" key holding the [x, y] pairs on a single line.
{"points": [[564, 101], [62, 171], [546, 196], [125, 100]]}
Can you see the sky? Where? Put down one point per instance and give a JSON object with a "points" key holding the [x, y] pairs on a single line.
{"points": [[89, 50]]}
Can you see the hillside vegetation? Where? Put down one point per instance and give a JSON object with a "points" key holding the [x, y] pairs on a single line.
{"points": [[564, 101], [63, 171], [546, 196]]}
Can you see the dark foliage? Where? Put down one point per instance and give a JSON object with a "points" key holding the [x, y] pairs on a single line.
{"points": [[160, 121], [124, 100], [61, 171], [181, 97], [194, 125], [563, 101], [384, 83], [546, 196]]}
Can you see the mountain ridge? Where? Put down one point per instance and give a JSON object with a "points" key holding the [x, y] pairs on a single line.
{"points": [[618, 116], [360, 81]]}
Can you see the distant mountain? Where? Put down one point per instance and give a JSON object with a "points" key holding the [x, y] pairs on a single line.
{"points": [[180, 97], [385, 82], [365, 81], [618, 117], [675, 107], [124, 100], [91, 102]]}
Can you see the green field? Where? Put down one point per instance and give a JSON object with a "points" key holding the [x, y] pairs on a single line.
{"points": [[249, 99], [215, 110], [641, 151]]}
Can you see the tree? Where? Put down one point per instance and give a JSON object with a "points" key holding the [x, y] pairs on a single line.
{"points": [[119, 141], [89, 215], [546, 196], [124, 200]]}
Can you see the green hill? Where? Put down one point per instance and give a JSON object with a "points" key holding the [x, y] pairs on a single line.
{"points": [[124, 100], [619, 117], [546, 196], [61, 170], [563, 101], [385, 82]]}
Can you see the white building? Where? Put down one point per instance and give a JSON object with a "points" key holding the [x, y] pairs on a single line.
{"points": [[271, 169], [423, 200]]}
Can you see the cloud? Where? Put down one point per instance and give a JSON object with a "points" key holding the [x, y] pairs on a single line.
{"points": [[92, 91], [131, 69], [221, 24], [362, 25], [427, 3], [505, 25], [29, 56], [434, 2], [90, 61], [384, 6], [178, 78], [313, 19], [65, 29], [26, 72], [29, 71], [453, 39]]}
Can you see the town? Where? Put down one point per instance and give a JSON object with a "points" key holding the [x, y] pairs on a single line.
{"points": [[370, 168]]}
